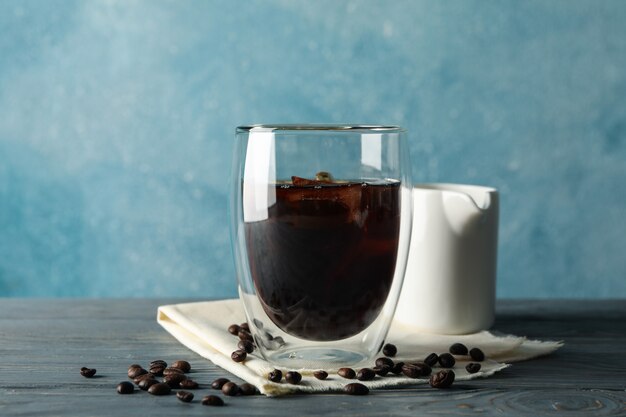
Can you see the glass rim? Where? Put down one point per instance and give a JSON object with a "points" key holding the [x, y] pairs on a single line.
{"points": [[320, 127]]}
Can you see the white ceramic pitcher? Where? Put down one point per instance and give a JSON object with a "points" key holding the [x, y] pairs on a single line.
{"points": [[450, 281]]}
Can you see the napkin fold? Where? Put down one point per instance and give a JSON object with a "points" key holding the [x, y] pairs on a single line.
{"points": [[201, 327]]}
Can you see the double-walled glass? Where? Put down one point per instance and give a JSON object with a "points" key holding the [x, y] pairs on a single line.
{"points": [[320, 225]]}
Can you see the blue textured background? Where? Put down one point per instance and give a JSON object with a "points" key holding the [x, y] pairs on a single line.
{"points": [[117, 118]]}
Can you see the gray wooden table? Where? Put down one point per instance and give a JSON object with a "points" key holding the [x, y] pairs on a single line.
{"points": [[43, 344]]}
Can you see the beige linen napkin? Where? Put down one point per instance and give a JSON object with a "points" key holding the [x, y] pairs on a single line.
{"points": [[202, 328]]}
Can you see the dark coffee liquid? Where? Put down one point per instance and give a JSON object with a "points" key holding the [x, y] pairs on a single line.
{"points": [[324, 259]]}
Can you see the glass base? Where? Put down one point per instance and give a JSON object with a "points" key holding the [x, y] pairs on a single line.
{"points": [[315, 358]]}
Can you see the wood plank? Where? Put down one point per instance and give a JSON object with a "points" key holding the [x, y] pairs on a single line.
{"points": [[43, 343]]}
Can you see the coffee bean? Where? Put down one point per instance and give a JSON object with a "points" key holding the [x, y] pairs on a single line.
{"points": [[275, 376], [182, 365], [432, 359], [188, 384], [212, 400], [160, 389], [472, 367], [365, 374], [425, 370], [381, 370], [347, 373], [477, 354], [390, 350], [416, 370], [356, 389], [293, 377], [458, 349], [246, 346], [158, 362], [87, 372], [247, 389], [244, 335], [174, 380], [238, 355], [397, 368], [384, 362], [142, 377], [219, 383], [321, 375], [157, 370], [446, 360], [257, 323], [442, 379], [245, 327], [146, 383], [134, 372], [234, 329], [411, 370], [230, 389], [125, 388], [184, 396], [170, 371]]}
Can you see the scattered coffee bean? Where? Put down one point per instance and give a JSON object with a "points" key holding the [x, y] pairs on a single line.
{"points": [[458, 349], [188, 384], [411, 370], [275, 376], [182, 365], [365, 374], [446, 360], [219, 383], [245, 327], [347, 373], [184, 396], [170, 371], [134, 372], [174, 380], [424, 368], [381, 370], [244, 335], [442, 379], [472, 367], [234, 329], [160, 389], [356, 389], [384, 362], [87, 372], [247, 389], [321, 375], [416, 370], [390, 350], [239, 355], [230, 389], [397, 368], [212, 400], [432, 359], [246, 345], [477, 354], [293, 377], [146, 383], [125, 388], [156, 362], [142, 377], [157, 369]]}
